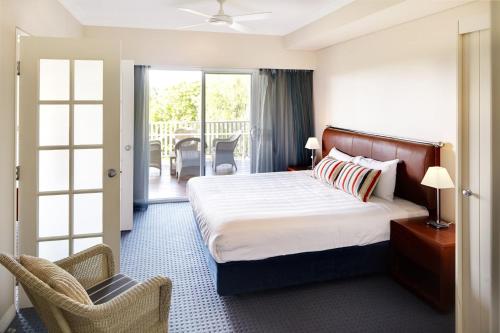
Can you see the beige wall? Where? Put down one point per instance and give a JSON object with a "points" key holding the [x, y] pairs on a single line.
{"points": [[38, 18], [402, 81], [204, 49]]}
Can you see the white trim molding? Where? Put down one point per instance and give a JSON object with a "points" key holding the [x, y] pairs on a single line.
{"points": [[7, 318], [470, 24]]}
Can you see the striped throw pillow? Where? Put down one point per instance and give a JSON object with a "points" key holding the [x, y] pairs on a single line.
{"points": [[357, 181], [328, 169]]}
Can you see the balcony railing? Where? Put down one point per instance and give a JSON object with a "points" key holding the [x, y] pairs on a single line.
{"points": [[166, 133]]}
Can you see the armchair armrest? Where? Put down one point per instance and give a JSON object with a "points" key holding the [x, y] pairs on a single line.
{"points": [[152, 295], [90, 266], [148, 299]]}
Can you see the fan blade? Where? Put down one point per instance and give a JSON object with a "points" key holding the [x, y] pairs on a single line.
{"points": [[252, 17], [187, 10], [240, 28], [186, 27]]}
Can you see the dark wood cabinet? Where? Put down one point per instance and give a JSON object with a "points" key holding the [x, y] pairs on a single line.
{"points": [[299, 167], [423, 260]]}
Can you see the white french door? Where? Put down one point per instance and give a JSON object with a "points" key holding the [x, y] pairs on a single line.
{"points": [[69, 146], [475, 205]]}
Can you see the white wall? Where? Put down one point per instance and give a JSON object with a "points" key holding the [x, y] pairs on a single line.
{"points": [[173, 48], [38, 18], [401, 81]]}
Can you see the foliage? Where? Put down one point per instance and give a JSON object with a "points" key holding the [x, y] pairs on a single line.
{"points": [[178, 102], [227, 98]]}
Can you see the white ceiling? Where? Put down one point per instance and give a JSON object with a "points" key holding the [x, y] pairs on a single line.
{"points": [[287, 15]]}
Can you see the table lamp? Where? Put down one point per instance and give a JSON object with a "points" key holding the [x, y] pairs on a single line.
{"points": [[438, 178], [313, 144]]}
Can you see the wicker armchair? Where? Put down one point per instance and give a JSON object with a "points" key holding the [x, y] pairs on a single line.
{"points": [[155, 154], [223, 151], [142, 308], [187, 161]]}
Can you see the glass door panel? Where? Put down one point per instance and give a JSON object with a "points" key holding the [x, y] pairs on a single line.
{"points": [[174, 131], [70, 158], [227, 123]]}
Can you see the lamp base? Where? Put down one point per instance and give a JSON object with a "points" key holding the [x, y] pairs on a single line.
{"points": [[438, 224]]}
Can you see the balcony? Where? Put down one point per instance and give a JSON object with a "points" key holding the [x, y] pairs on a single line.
{"points": [[165, 185]]}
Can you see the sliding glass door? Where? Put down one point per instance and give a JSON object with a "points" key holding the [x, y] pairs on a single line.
{"points": [[174, 130], [199, 125], [227, 123]]}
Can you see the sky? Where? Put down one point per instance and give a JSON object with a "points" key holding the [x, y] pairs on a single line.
{"points": [[166, 78]]}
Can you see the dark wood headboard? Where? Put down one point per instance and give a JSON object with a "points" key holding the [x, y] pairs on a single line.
{"points": [[414, 157]]}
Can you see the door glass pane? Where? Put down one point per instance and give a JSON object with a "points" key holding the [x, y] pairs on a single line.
{"points": [[53, 250], [87, 213], [53, 170], [54, 125], [227, 114], [53, 215], [87, 169], [81, 244], [174, 115], [88, 124], [54, 80], [88, 80]]}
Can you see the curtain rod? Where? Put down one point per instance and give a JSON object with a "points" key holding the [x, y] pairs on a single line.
{"points": [[432, 143]]}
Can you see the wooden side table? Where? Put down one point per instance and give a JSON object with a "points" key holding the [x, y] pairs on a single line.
{"points": [[423, 260], [299, 167]]}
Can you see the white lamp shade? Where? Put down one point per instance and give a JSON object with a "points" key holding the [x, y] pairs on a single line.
{"points": [[312, 143], [437, 177]]}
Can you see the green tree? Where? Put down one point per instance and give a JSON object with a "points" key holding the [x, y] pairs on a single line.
{"points": [[227, 98], [180, 102]]}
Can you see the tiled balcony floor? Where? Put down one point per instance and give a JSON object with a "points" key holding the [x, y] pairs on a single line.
{"points": [[167, 186]]}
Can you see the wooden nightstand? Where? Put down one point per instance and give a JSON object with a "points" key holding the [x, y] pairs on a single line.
{"points": [[423, 260], [299, 167]]}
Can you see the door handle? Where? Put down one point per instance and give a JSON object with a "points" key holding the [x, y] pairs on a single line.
{"points": [[112, 173], [467, 193], [128, 147]]}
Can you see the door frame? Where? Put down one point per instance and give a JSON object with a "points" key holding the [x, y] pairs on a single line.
{"points": [[467, 25]]}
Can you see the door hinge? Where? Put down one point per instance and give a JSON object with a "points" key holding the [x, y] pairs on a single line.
{"points": [[18, 172], [19, 68]]}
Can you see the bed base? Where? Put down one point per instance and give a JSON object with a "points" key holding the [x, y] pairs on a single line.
{"points": [[240, 277]]}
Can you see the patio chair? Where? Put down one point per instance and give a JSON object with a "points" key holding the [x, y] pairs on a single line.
{"points": [[155, 154], [223, 151], [183, 133], [187, 158], [144, 307]]}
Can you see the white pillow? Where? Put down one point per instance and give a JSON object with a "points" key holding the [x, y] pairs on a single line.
{"points": [[338, 155], [387, 182]]}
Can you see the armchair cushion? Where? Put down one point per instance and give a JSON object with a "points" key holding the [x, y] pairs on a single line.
{"points": [[110, 288], [57, 278]]}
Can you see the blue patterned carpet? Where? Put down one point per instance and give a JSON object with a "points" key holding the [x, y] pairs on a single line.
{"points": [[165, 241]]}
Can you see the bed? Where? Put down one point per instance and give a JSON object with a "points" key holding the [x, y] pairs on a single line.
{"points": [[280, 229]]}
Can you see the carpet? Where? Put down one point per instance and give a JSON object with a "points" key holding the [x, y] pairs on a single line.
{"points": [[165, 241]]}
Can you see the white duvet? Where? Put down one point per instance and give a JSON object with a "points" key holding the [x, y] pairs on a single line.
{"points": [[252, 217]]}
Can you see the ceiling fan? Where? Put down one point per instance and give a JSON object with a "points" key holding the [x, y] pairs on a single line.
{"points": [[221, 18]]}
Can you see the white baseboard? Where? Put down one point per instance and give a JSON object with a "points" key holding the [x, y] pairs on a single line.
{"points": [[7, 318]]}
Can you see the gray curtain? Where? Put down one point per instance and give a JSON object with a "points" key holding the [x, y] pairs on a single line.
{"points": [[284, 118], [141, 137]]}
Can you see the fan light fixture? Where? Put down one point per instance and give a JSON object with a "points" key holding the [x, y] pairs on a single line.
{"points": [[222, 19]]}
